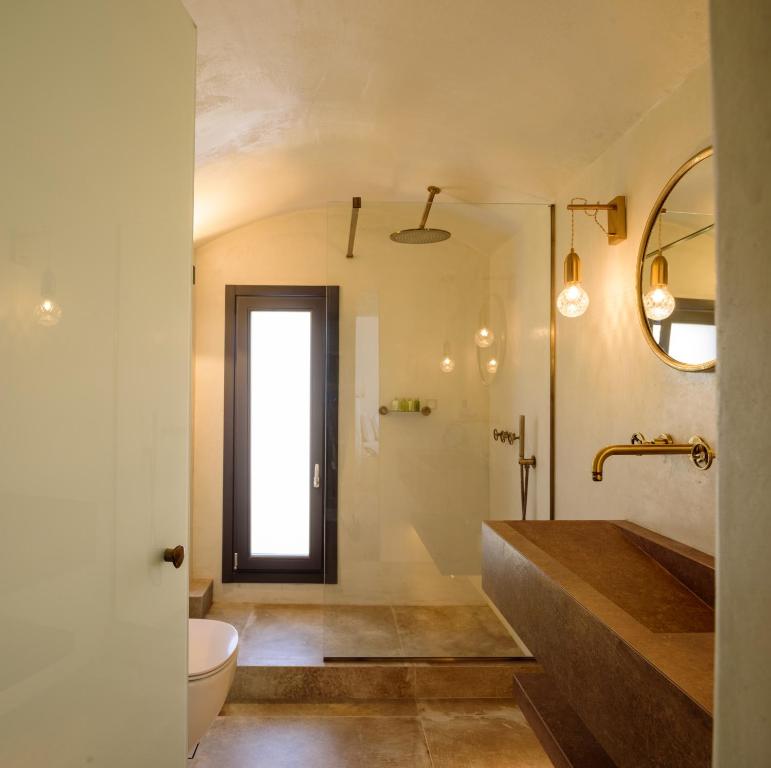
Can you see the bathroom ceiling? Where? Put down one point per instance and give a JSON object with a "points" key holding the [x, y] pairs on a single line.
{"points": [[305, 101]]}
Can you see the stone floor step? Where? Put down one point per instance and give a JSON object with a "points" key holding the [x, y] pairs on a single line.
{"points": [[361, 681]]}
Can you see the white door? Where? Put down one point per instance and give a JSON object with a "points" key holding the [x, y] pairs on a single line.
{"points": [[96, 155]]}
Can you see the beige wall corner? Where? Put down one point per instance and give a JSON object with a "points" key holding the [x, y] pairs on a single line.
{"points": [[741, 52]]}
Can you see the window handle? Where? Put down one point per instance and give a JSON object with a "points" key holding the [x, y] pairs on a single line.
{"points": [[316, 478]]}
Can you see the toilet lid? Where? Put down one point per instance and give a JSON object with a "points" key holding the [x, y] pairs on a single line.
{"points": [[210, 644]]}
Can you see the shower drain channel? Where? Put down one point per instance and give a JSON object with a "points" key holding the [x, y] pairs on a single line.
{"points": [[427, 659]]}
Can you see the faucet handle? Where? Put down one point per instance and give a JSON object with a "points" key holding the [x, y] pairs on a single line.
{"points": [[702, 454], [638, 438]]}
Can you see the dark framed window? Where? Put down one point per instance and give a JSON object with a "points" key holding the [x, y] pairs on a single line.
{"points": [[688, 331], [280, 451]]}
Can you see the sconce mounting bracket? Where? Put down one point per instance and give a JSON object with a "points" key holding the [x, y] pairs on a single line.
{"points": [[617, 220], [616, 209]]}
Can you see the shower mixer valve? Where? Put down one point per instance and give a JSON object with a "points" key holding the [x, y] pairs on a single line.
{"points": [[505, 436]]}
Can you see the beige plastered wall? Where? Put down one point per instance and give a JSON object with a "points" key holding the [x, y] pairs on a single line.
{"points": [[741, 52], [609, 382]]}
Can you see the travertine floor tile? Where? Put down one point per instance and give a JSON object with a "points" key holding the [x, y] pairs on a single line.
{"points": [[360, 630], [466, 630], [317, 742], [371, 734], [301, 635], [474, 734], [283, 635]]}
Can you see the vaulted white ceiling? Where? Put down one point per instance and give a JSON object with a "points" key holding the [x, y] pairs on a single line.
{"points": [[305, 101]]}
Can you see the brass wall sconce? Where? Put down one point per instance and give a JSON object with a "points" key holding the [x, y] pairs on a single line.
{"points": [[573, 300]]}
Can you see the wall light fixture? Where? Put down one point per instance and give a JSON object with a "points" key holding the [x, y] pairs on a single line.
{"points": [[573, 300]]}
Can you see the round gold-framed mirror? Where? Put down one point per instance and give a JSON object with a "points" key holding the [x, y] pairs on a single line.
{"points": [[676, 280]]}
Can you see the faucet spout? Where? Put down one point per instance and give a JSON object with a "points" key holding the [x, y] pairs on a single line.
{"points": [[662, 445]]}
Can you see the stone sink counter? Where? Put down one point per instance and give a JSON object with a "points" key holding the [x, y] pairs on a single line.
{"points": [[622, 621]]}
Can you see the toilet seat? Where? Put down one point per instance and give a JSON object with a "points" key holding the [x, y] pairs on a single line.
{"points": [[211, 646], [210, 673]]}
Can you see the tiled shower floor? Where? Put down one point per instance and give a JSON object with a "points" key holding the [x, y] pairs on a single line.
{"points": [[288, 635]]}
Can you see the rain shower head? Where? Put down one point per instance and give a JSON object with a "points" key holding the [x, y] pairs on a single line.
{"points": [[422, 234]]}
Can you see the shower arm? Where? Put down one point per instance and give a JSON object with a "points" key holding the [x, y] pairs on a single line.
{"points": [[432, 192], [355, 206]]}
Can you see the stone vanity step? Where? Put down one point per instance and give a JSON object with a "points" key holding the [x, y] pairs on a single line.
{"points": [[562, 734], [363, 681]]}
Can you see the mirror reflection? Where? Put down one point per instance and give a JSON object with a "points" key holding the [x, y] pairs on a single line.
{"points": [[678, 280]]}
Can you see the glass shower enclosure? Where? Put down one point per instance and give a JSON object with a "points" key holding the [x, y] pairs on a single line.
{"points": [[443, 346]]}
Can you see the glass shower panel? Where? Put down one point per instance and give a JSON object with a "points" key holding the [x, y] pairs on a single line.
{"points": [[426, 332]]}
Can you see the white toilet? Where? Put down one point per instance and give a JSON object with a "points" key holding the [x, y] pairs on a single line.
{"points": [[211, 667]]}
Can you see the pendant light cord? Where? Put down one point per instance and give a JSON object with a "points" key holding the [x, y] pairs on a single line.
{"points": [[572, 226], [593, 215], [661, 216]]}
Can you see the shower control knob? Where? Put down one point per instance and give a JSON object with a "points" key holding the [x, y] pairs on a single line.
{"points": [[175, 556]]}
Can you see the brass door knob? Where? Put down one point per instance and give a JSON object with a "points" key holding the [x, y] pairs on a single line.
{"points": [[176, 556]]}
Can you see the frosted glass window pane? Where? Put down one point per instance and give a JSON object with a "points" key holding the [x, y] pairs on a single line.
{"points": [[691, 343], [280, 423]]}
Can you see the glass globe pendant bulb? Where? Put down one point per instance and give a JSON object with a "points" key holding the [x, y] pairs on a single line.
{"points": [[492, 365], [48, 312], [658, 302], [573, 299], [484, 337], [447, 365]]}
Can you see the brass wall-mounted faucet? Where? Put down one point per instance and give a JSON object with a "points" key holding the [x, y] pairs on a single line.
{"points": [[697, 448]]}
